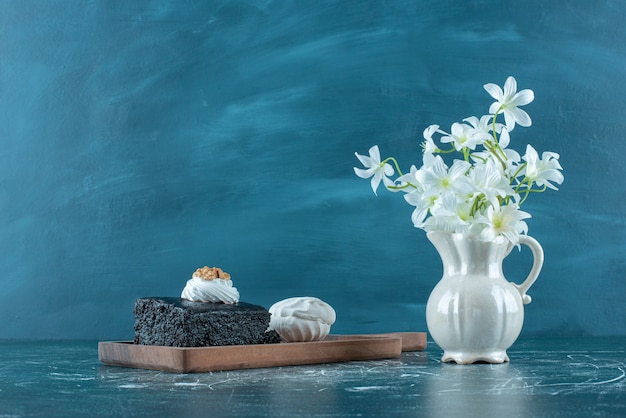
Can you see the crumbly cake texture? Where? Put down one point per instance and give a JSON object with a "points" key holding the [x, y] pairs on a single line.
{"points": [[211, 273], [177, 322]]}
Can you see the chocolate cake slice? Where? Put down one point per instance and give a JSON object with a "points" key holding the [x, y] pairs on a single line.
{"points": [[177, 322]]}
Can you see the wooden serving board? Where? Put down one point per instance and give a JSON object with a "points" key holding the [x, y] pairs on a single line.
{"points": [[411, 341], [335, 348]]}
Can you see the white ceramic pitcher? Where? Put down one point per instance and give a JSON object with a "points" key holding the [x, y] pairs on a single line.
{"points": [[474, 314]]}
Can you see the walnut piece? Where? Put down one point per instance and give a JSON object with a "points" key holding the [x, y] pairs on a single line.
{"points": [[210, 273]]}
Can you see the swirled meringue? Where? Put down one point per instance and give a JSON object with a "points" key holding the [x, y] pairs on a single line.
{"points": [[202, 289], [302, 319]]}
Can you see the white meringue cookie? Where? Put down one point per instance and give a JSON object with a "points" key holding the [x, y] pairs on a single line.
{"points": [[302, 319], [215, 291]]}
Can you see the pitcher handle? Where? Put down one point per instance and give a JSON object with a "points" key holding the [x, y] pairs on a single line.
{"points": [[537, 251]]}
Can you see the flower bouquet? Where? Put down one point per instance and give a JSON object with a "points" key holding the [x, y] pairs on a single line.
{"points": [[481, 190]]}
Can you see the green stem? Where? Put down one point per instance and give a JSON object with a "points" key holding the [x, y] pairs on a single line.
{"points": [[496, 144], [404, 186], [477, 204], [395, 163], [519, 170], [529, 189], [446, 151], [493, 125], [500, 156], [525, 181]]}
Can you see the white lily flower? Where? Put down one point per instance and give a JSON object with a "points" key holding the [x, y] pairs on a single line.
{"points": [[445, 224], [439, 177], [488, 180], [507, 101], [505, 138], [445, 206], [422, 202], [506, 221], [408, 182], [462, 136], [512, 157], [374, 169], [451, 212], [482, 127], [429, 145], [543, 171], [481, 192]]}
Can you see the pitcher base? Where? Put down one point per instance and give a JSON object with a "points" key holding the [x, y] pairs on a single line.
{"points": [[459, 357]]}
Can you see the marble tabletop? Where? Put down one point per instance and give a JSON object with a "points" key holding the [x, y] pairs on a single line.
{"points": [[547, 377]]}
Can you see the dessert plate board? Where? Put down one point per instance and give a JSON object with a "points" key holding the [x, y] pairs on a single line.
{"points": [[335, 348]]}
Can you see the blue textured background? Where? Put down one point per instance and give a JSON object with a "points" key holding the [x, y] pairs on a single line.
{"points": [[143, 139]]}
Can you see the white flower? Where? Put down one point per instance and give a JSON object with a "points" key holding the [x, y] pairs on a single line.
{"points": [[407, 182], [505, 138], [506, 221], [512, 156], [481, 192], [543, 171], [444, 223], [464, 136], [490, 182], [482, 127], [422, 202], [429, 145], [451, 213], [436, 175], [374, 169], [507, 101], [509, 166]]}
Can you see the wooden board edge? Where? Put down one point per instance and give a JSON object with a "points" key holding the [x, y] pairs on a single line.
{"points": [[294, 354], [127, 354], [208, 359], [411, 341]]}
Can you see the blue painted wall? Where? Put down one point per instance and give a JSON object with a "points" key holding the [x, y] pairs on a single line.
{"points": [[142, 139]]}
